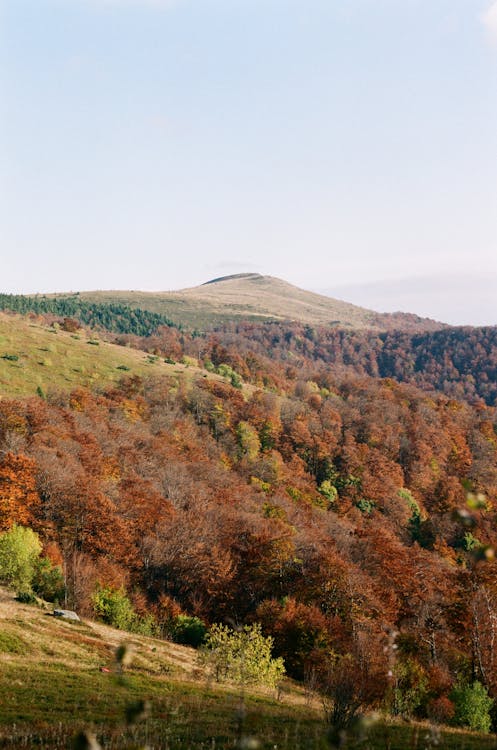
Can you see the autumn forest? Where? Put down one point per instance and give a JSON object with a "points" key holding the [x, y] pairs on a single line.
{"points": [[338, 487]]}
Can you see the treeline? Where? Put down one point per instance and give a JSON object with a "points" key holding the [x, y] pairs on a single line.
{"points": [[334, 513], [110, 317], [460, 362]]}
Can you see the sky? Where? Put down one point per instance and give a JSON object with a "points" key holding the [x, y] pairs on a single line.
{"points": [[346, 146]]}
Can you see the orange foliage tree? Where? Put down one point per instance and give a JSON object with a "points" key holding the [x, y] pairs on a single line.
{"points": [[19, 499]]}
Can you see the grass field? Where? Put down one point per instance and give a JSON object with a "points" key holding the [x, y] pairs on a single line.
{"points": [[35, 357], [52, 686]]}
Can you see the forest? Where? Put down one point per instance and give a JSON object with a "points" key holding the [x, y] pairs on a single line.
{"points": [[458, 361], [352, 517], [115, 318], [335, 488]]}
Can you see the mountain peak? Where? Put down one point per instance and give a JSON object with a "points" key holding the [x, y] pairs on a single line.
{"points": [[257, 297], [233, 277]]}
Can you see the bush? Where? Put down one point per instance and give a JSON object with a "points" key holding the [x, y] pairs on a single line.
{"points": [[441, 710], [19, 552], [301, 634], [349, 687], [26, 597], [146, 625], [241, 656], [48, 581], [189, 631], [472, 707], [114, 608], [411, 687]]}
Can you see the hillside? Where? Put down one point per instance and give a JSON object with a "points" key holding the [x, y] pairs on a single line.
{"points": [[281, 482], [36, 356], [331, 514], [257, 297], [460, 362], [60, 678]]}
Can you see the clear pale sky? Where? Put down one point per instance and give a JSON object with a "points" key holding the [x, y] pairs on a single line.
{"points": [[343, 145]]}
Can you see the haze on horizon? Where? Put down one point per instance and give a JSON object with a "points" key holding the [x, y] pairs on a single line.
{"points": [[348, 147]]}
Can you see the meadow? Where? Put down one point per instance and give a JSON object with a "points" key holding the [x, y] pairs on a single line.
{"points": [[36, 358], [59, 678]]}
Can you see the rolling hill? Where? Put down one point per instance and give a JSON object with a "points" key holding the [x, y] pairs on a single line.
{"points": [[34, 356], [251, 296]]}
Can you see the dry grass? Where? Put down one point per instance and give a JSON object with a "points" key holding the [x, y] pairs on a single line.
{"points": [[256, 297], [85, 645]]}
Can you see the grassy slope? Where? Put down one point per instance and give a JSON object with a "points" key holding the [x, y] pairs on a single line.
{"points": [[51, 686], [256, 297], [56, 359]]}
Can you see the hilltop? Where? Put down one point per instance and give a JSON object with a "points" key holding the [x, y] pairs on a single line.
{"points": [[251, 296]]}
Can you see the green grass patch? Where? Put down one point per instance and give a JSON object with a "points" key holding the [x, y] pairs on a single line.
{"points": [[32, 359], [10, 643]]}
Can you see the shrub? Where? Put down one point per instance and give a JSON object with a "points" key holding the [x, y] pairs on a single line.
{"points": [[349, 687], [226, 371], [146, 625], [365, 506], [19, 552], [301, 634], [114, 607], [411, 687], [241, 656], [472, 707], [48, 581], [441, 710], [26, 597], [189, 631], [329, 491]]}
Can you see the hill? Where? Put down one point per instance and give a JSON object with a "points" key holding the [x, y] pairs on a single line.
{"points": [[256, 297]]}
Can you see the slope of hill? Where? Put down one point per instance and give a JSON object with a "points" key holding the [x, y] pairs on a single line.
{"points": [[59, 678], [460, 362], [34, 356], [257, 297]]}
